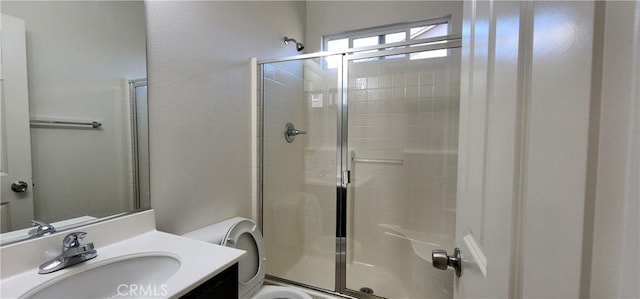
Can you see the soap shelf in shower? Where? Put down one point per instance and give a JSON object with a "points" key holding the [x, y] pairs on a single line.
{"points": [[422, 243]]}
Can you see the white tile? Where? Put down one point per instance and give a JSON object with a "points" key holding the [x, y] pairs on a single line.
{"points": [[412, 79], [426, 78], [398, 80], [398, 92]]}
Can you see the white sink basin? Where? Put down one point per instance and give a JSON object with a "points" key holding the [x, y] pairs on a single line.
{"points": [[131, 252], [139, 275]]}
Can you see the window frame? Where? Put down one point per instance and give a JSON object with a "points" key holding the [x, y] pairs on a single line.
{"points": [[381, 31]]}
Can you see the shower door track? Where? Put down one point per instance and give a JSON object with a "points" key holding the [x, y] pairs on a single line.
{"points": [[342, 154]]}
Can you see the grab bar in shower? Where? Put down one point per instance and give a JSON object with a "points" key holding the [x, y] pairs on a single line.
{"points": [[379, 161], [376, 161], [93, 124]]}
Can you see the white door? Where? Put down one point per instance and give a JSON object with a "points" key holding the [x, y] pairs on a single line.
{"points": [[524, 138], [488, 147], [15, 176]]}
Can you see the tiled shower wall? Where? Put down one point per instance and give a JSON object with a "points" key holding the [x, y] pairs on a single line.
{"points": [[400, 110], [320, 172], [405, 112], [282, 165]]}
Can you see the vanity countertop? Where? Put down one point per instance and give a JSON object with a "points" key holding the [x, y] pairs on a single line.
{"points": [[199, 261]]}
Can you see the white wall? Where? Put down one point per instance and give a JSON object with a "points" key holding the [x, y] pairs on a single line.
{"points": [[329, 17], [199, 101], [79, 55]]}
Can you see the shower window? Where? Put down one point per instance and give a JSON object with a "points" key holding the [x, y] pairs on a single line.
{"points": [[387, 35]]}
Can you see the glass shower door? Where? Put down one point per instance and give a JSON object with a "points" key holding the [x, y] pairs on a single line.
{"points": [[402, 153], [299, 174], [359, 168]]}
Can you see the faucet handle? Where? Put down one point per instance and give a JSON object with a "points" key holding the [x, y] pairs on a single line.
{"points": [[42, 229], [38, 223], [73, 240]]}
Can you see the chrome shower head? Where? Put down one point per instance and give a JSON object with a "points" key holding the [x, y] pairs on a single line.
{"points": [[299, 46]]}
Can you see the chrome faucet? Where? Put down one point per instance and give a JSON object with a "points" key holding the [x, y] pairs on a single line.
{"points": [[73, 252], [42, 228]]}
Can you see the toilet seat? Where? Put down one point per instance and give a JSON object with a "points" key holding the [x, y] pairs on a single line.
{"points": [[244, 235]]}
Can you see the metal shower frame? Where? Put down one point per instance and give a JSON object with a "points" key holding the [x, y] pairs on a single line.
{"points": [[342, 154]]}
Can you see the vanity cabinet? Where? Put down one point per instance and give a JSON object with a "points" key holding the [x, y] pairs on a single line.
{"points": [[223, 285]]}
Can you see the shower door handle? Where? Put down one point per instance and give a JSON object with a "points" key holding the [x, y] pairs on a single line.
{"points": [[441, 260], [346, 177]]}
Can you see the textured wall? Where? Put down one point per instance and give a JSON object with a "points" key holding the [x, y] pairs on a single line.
{"points": [[199, 102]]}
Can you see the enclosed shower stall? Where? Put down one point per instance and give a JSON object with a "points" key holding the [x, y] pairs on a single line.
{"points": [[358, 167]]}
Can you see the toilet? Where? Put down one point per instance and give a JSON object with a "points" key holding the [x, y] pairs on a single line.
{"points": [[242, 233]]}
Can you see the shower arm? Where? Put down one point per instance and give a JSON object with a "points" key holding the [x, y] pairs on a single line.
{"points": [[299, 45]]}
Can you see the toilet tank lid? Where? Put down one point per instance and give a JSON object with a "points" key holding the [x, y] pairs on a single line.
{"points": [[214, 233]]}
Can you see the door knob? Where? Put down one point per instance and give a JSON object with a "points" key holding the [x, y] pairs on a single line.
{"points": [[442, 261], [19, 186]]}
